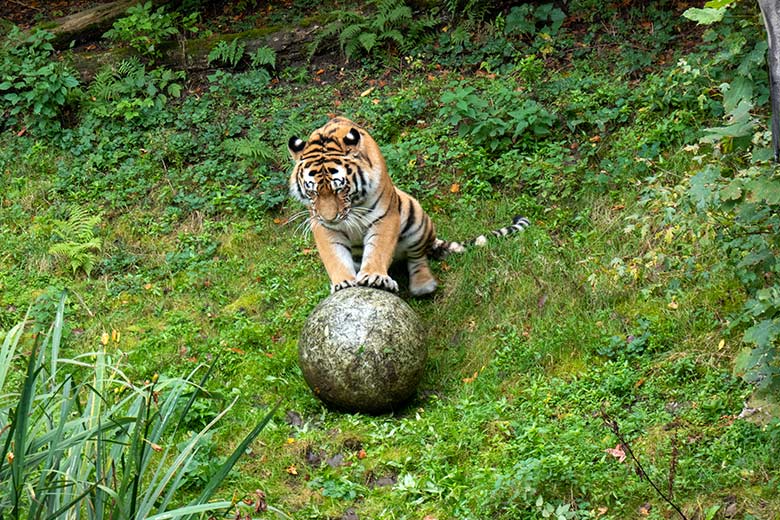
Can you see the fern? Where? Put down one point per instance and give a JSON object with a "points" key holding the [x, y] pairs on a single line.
{"points": [[77, 244], [252, 149], [263, 56], [392, 26], [227, 53]]}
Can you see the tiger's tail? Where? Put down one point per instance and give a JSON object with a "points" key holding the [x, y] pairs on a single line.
{"points": [[441, 248]]}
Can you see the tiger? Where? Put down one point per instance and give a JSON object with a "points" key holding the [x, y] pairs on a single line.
{"points": [[360, 221]]}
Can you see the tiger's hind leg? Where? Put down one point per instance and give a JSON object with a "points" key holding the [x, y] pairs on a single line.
{"points": [[421, 279]]}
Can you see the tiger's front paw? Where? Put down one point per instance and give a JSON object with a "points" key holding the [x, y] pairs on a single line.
{"points": [[343, 285], [377, 281]]}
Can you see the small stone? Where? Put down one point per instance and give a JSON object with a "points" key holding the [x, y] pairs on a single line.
{"points": [[362, 350]]}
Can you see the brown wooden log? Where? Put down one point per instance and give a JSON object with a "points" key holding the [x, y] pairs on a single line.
{"points": [[291, 48], [88, 23]]}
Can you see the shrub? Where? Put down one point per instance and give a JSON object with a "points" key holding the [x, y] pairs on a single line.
{"points": [[144, 30], [34, 89], [498, 119]]}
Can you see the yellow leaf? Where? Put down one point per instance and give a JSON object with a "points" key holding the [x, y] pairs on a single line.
{"points": [[673, 304], [292, 470], [104, 339], [455, 188]]}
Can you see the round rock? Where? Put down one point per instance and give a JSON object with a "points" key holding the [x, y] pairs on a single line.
{"points": [[362, 350]]}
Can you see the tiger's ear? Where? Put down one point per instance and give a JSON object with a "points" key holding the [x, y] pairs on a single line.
{"points": [[295, 145], [352, 137]]}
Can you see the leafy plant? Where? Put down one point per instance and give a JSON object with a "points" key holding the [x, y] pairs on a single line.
{"points": [[227, 53], [129, 90], [746, 208], [100, 447], [496, 120], [391, 27], [262, 57], [34, 88], [77, 242], [530, 20], [143, 29]]}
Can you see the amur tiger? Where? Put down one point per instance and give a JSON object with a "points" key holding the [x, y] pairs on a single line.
{"points": [[357, 213]]}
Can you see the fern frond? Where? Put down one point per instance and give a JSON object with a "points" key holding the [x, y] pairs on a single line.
{"points": [[367, 40], [264, 56]]}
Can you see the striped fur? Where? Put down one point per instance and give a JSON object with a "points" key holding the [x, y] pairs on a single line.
{"points": [[355, 211]]}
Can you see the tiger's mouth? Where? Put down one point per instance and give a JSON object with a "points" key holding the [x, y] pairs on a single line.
{"points": [[334, 221]]}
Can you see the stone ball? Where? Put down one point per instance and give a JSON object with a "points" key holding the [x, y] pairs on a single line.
{"points": [[362, 350]]}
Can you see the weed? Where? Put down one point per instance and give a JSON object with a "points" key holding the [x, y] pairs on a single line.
{"points": [[144, 29], [34, 88]]}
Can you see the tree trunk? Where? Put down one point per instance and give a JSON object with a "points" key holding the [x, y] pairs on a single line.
{"points": [[88, 23], [771, 11]]}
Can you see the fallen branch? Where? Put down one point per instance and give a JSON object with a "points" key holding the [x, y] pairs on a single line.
{"points": [[612, 424]]}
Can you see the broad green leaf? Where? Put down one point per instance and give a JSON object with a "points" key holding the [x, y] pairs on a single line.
{"points": [[732, 191], [701, 186], [764, 189], [763, 333], [705, 16], [719, 4], [741, 89]]}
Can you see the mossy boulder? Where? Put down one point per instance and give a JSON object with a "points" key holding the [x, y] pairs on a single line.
{"points": [[362, 350]]}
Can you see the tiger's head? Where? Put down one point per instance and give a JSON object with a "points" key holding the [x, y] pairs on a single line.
{"points": [[335, 170]]}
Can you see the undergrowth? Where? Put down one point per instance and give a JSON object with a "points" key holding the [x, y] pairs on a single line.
{"points": [[637, 315]]}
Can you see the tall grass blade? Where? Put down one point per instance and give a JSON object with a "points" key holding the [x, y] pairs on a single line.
{"points": [[20, 424], [223, 471], [191, 510], [181, 462]]}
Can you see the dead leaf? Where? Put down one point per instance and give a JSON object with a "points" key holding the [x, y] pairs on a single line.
{"points": [[292, 470], [617, 452], [471, 379], [673, 304], [645, 509], [455, 188], [367, 92], [595, 139], [261, 506], [320, 72], [601, 511], [361, 454]]}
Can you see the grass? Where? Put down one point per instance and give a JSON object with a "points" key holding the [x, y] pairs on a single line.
{"points": [[591, 315]]}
